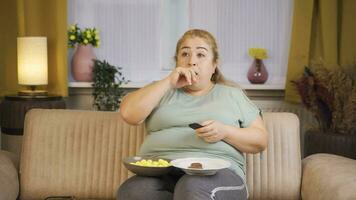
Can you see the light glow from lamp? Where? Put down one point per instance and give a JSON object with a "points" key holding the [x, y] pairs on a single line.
{"points": [[32, 61]]}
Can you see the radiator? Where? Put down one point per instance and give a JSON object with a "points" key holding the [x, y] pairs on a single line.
{"points": [[306, 119]]}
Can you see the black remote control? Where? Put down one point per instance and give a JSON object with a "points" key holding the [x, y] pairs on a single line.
{"points": [[195, 126]]}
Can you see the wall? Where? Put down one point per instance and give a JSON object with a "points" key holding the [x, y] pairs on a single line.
{"points": [[267, 100], [80, 97]]}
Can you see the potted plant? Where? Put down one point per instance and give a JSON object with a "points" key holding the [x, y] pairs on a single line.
{"points": [[330, 95], [82, 61], [106, 86]]}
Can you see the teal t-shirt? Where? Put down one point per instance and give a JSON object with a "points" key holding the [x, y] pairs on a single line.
{"points": [[169, 135]]}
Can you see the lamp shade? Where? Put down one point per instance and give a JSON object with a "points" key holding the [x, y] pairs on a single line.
{"points": [[32, 60]]}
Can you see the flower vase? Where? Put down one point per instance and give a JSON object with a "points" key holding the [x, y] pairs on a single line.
{"points": [[257, 74], [83, 63]]}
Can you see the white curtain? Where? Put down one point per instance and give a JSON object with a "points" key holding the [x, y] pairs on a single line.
{"points": [[129, 31], [239, 25], [140, 35]]}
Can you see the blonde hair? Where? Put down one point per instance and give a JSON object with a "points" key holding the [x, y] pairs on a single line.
{"points": [[217, 77]]}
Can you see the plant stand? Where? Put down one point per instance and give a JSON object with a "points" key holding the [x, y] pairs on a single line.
{"points": [[333, 143]]}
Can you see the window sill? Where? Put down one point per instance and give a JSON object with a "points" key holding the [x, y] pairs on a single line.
{"points": [[141, 84]]}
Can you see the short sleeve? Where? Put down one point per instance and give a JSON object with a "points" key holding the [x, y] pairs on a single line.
{"points": [[166, 97], [248, 109]]}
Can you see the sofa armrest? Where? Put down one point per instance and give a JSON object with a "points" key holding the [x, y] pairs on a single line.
{"points": [[328, 177], [9, 181]]}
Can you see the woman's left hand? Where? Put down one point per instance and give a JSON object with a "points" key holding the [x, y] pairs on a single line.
{"points": [[213, 131]]}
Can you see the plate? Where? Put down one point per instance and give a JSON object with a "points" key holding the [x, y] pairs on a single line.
{"points": [[210, 165], [143, 170]]}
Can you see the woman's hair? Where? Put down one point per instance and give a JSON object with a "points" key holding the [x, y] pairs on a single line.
{"points": [[217, 77]]}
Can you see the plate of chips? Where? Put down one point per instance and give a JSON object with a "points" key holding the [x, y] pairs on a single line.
{"points": [[147, 166]]}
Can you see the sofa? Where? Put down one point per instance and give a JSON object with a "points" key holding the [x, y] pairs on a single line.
{"points": [[79, 154]]}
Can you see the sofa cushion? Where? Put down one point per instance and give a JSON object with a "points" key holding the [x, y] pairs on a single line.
{"points": [[9, 182], [276, 172], [329, 177], [75, 153]]}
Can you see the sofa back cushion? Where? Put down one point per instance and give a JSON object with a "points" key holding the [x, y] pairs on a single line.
{"points": [[75, 153], [79, 153], [276, 172]]}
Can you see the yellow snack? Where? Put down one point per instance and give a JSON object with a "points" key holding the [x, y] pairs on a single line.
{"points": [[151, 163]]}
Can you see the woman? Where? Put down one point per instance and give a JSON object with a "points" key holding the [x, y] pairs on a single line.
{"points": [[195, 91]]}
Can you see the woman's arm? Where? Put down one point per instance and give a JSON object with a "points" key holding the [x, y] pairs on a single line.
{"points": [[252, 139], [137, 105]]}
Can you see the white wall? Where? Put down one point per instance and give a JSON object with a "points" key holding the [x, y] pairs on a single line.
{"points": [[267, 100]]}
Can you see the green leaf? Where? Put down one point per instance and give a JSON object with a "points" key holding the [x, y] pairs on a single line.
{"points": [[106, 86]]}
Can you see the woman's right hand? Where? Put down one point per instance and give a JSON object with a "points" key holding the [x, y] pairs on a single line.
{"points": [[138, 105], [183, 76]]}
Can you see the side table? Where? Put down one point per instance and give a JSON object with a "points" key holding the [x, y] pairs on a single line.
{"points": [[12, 115]]}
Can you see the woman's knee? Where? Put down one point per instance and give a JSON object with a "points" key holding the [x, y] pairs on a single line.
{"points": [[190, 187], [126, 189], [223, 185]]}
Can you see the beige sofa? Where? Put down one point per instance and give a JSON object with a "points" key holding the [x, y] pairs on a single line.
{"points": [[79, 153]]}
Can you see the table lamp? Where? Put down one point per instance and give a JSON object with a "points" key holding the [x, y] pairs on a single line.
{"points": [[32, 64]]}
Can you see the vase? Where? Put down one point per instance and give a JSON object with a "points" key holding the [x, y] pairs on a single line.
{"points": [[83, 63], [257, 74]]}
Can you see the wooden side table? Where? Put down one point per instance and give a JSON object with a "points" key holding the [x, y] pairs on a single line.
{"points": [[12, 115]]}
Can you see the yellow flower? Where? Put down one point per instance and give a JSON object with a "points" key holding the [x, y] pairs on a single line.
{"points": [[258, 53], [84, 36], [72, 37]]}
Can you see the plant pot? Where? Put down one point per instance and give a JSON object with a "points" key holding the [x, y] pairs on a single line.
{"points": [[257, 74], [333, 143], [83, 63]]}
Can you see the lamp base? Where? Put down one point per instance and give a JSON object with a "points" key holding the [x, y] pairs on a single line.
{"points": [[32, 93]]}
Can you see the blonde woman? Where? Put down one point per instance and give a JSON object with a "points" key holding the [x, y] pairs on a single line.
{"points": [[195, 91]]}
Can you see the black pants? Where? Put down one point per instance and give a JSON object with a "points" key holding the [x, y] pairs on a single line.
{"points": [[224, 185]]}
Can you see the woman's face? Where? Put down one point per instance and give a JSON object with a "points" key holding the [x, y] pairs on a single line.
{"points": [[196, 53]]}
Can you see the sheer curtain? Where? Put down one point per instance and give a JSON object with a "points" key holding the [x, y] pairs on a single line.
{"points": [[140, 35], [239, 25], [129, 31]]}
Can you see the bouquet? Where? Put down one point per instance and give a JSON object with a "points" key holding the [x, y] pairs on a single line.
{"points": [[330, 95], [83, 37], [258, 53]]}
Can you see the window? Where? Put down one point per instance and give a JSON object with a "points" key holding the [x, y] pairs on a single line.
{"points": [[140, 35]]}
